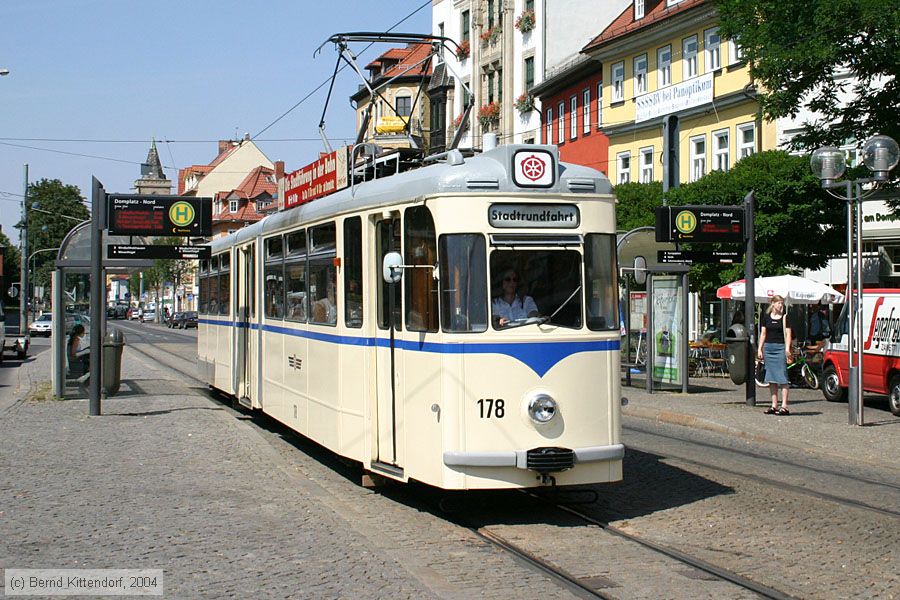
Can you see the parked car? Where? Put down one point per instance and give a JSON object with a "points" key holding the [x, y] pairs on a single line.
{"points": [[148, 316], [173, 320], [121, 311], [136, 314], [188, 320]]}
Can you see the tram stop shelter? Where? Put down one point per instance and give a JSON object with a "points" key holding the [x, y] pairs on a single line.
{"points": [[658, 343], [71, 291]]}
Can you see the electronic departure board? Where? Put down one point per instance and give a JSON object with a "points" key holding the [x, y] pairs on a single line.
{"points": [[146, 215]]}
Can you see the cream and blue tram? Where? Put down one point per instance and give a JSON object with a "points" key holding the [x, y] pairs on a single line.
{"points": [[301, 317]]}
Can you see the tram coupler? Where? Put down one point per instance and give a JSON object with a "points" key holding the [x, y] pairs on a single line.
{"points": [[547, 479]]}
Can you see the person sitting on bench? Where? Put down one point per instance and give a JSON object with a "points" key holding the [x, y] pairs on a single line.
{"points": [[79, 359]]}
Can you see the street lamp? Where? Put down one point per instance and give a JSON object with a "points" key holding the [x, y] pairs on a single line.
{"points": [[4, 72], [880, 154]]}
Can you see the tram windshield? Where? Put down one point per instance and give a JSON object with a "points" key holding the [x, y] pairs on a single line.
{"points": [[568, 286]]}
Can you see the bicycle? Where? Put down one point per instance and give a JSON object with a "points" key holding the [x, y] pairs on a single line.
{"points": [[800, 372]]}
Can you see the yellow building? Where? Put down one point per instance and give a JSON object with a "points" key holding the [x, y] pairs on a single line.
{"points": [[677, 99], [396, 76]]}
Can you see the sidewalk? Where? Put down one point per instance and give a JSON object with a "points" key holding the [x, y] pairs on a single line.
{"points": [[716, 404]]}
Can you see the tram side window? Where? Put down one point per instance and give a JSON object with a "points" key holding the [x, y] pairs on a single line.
{"points": [[204, 294], [213, 287], [224, 286], [421, 287], [388, 240], [463, 283], [322, 275], [251, 281], [600, 282], [295, 277], [274, 277], [353, 292]]}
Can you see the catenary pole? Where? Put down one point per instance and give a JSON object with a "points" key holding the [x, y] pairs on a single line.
{"points": [[98, 295], [750, 296], [23, 278]]}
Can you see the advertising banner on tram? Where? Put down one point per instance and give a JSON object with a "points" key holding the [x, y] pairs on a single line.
{"points": [[667, 308], [325, 176]]}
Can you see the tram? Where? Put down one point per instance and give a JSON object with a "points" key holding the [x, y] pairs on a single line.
{"points": [[371, 321]]}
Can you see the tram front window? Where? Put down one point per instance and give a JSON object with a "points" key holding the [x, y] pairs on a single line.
{"points": [[536, 286]]}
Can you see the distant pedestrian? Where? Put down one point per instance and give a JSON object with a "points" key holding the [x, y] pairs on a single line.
{"points": [[775, 351]]}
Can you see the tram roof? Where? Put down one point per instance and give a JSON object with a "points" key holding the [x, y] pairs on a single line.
{"points": [[488, 172]]}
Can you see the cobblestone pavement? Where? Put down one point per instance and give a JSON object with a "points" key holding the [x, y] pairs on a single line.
{"points": [[170, 479], [230, 505]]}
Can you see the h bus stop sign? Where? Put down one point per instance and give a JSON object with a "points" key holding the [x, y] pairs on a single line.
{"points": [[703, 224], [149, 215]]}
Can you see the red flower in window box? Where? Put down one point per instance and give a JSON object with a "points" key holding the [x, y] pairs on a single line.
{"points": [[489, 114], [465, 49]]}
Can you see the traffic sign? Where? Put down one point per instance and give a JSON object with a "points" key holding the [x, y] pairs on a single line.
{"points": [[135, 214], [692, 256], [12, 292], [159, 252], [703, 224]]}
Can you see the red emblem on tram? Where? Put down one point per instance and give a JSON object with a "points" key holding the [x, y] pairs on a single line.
{"points": [[533, 168]]}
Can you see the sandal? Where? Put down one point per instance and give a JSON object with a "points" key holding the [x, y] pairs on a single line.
{"points": [[783, 412], [771, 411]]}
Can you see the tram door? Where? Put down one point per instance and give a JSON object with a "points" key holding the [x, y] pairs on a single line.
{"points": [[243, 283], [387, 353]]}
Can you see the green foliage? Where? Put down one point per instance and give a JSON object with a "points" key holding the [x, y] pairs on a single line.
{"points": [[60, 207], [11, 265], [795, 48], [797, 224], [637, 204]]}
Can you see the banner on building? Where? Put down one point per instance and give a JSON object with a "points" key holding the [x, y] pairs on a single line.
{"points": [[325, 176], [670, 99]]}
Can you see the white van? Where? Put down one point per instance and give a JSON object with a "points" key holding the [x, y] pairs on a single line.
{"points": [[881, 350]]}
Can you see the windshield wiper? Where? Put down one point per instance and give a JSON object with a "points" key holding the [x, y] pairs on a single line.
{"points": [[566, 301]]}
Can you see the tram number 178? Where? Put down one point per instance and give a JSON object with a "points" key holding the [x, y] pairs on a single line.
{"points": [[489, 407]]}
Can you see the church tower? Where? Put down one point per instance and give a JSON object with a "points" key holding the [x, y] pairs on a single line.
{"points": [[153, 181]]}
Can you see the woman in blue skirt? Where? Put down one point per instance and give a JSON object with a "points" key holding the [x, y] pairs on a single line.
{"points": [[775, 351]]}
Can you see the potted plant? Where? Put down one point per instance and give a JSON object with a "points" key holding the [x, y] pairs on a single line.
{"points": [[465, 49], [525, 103], [526, 21], [489, 114], [489, 36]]}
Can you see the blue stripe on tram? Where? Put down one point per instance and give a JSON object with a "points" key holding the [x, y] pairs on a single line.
{"points": [[540, 357]]}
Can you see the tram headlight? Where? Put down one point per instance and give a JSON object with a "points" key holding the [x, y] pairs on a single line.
{"points": [[542, 408]]}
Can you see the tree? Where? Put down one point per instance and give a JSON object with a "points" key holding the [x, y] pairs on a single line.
{"points": [[798, 225], [60, 207], [11, 265], [795, 48], [637, 204]]}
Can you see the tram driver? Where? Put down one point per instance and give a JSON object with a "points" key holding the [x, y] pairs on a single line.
{"points": [[510, 305]]}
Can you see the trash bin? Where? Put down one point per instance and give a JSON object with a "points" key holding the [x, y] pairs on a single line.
{"points": [[113, 346], [737, 344]]}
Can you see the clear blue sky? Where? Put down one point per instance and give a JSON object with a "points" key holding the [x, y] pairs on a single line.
{"points": [[192, 72]]}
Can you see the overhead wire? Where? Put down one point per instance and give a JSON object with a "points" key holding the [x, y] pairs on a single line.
{"points": [[340, 69]]}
